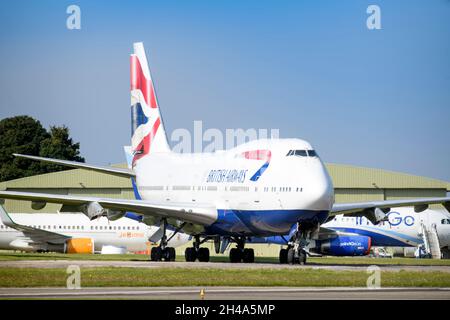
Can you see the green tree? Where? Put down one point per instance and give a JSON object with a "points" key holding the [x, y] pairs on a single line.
{"points": [[23, 134]]}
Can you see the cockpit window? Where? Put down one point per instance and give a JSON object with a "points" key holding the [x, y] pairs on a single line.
{"points": [[302, 153], [445, 221], [312, 153]]}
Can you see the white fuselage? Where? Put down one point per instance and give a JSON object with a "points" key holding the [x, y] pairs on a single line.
{"points": [[402, 229], [122, 233], [289, 187]]}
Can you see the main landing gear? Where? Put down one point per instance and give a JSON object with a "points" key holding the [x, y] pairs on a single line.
{"points": [[241, 254], [295, 252], [163, 252], [193, 253]]}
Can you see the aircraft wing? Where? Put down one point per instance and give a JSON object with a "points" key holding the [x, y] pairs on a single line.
{"points": [[375, 210], [35, 235], [123, 172], [94, 207]]}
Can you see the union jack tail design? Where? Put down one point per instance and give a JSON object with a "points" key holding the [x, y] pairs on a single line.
{"points": [[147, 130]]}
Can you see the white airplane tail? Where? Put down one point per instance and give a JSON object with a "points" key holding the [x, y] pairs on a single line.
{"points": [[147, 130]]}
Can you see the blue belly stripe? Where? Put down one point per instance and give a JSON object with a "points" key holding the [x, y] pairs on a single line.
{"points": [[262, 222]]}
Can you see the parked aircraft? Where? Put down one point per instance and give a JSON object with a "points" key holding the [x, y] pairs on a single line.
{"points": [[404, 228], [262, 188]]}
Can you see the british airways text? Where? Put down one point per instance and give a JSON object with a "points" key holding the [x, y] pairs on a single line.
{"points": [[225, 175]]}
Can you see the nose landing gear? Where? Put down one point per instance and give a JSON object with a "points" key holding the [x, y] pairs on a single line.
{"points": [[295, 252]]}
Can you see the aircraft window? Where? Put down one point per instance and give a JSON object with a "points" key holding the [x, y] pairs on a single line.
{"points": [[110, 228], [312, 153], [128, 228], [445, 221], [177, 188], [301, 153]]}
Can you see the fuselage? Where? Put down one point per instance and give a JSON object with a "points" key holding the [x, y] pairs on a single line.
{"points": [[402, 230], [124, 233], [259, 188]]}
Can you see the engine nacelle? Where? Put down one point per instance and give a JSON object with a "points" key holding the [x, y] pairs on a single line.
{"points": [[93, 210], [79, 245], [114, 215], [344, 246]]}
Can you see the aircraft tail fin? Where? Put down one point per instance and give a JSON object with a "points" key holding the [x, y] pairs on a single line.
{"points": [[147, 129], [5, 218]]}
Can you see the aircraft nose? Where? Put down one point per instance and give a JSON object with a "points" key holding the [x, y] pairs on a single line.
{"points": [[321, 190]]}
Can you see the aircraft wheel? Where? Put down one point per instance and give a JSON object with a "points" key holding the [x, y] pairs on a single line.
{"points": [[283, 256], [302, 257], [170, 254], [203, 254], [291, 256], [248, 256], [190, 254], [235, 255], [156, 254]]}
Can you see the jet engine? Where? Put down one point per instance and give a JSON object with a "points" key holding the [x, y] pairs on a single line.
{"points": [[95, 210], [343, 245], [79, 245]]}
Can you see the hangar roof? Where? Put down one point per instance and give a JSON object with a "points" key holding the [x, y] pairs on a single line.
{"points": [[344, 176]]}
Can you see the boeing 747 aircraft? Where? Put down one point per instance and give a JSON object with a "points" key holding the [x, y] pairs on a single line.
{"points": [[262, 188], [75, 233]]}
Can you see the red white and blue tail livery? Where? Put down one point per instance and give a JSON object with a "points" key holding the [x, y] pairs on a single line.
{"points": [[147, 129]]}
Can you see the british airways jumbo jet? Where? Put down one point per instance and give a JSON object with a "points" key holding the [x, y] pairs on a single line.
{"points": [[259, 189]]}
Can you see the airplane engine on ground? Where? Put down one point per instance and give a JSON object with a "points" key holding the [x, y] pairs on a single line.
{"points": [[342, 245], [79, 245]]}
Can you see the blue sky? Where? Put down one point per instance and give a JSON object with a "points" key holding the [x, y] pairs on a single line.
{"points": [[374, 98]]}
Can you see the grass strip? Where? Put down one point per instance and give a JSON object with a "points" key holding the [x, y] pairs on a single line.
{"points": [[17, 256], [154, 277]]}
